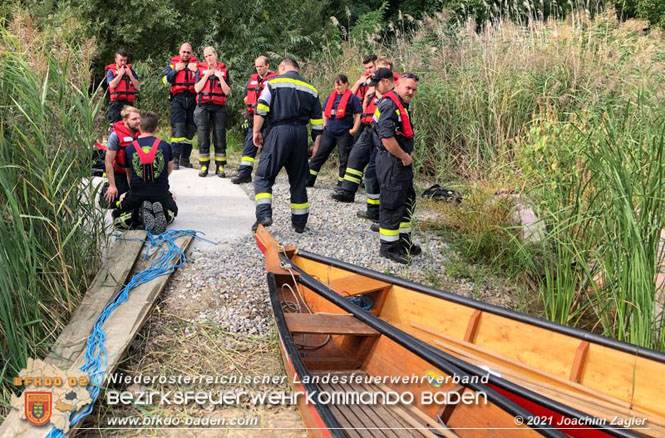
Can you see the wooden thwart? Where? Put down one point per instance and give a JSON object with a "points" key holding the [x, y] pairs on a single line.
{"points": [[328, 324], [357, 284]]}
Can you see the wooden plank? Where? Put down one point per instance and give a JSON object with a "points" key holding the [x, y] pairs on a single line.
{"points": [[513, 363], [390, 419], [357, 284], [355, 417], [327, 323], [68, 350], [422, 418], [578, 362], [121, 328], [71, 343], [124, 323]]}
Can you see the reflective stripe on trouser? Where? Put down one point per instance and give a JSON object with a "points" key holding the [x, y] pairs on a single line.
{"points": [[344, 143], [358, 159], [372, 188], [183, 126], [249, 151], [211, 119], [398, 199], [285, 146]]}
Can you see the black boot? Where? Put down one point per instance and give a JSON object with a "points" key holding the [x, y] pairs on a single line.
{"points": [[343, 196], [176, 161], [364, 214], [265, 221], [242, 178], [396, 254], [204, 170]]}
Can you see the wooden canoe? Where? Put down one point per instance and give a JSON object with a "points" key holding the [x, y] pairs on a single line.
{"points": [[580, 384]]}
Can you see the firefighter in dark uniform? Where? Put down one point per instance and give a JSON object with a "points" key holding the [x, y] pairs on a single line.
{"points": [[181, 74], [364, 154], [341, 121], [289, 103], [394, 169], [361, 86], [252, 93], [212, 87]]}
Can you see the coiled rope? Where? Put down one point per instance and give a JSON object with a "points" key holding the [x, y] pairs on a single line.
{"points": [[167, 258]]}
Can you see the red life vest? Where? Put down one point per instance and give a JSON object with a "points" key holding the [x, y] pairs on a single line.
{"points": [[340, 112], [212, 92], [361, 91], [256, 84], [407, 129], [125, 138], [147, 158], [125, 89], [184, 79], [368, 110]]}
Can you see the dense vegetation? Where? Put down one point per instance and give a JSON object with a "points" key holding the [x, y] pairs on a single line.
{"points": [[50, 233], [563, 106]]}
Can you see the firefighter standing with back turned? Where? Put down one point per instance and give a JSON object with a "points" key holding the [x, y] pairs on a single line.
{"points": [[394, 168], [252, 93], [289, 103], [212, 87], [181, 74]]}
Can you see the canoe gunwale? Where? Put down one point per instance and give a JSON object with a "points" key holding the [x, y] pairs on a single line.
{"points": [[324, 411], [491, 308], [453, 365]]}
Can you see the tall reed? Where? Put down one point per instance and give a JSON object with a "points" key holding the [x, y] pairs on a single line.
{"points": [[49, 229]]}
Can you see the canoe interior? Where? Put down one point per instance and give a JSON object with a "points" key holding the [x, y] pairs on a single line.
{"points": [[328, 341], [594, 378]]}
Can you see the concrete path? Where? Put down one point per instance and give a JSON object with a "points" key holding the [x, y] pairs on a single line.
{"points": [[212, 205]]}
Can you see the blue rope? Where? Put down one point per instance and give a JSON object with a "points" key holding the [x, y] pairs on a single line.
{"points": [[168, 258], [363, 301]]}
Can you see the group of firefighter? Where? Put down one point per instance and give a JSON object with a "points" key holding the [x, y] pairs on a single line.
{"points": [[368, 121]]}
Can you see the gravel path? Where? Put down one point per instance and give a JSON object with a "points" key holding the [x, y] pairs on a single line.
{"points": [[229, 283]]}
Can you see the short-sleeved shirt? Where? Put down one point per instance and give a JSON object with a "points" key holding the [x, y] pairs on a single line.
{"points": [[387, 122], [110, 75], [289, 99], [113, 143], [160, 165], [337, 126]]}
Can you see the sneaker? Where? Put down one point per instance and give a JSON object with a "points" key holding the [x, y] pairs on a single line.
{"points": [[362, 214], [147, 216], [374, 227], [298, 229], [343, 196], [160, 218], [242, 179], [265, 221], [397, 255], [204, 171], [220, 172]]}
